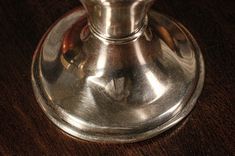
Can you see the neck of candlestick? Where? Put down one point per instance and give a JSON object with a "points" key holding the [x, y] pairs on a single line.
{"points": [[116, 19]]}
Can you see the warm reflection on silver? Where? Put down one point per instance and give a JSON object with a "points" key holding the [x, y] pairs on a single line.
{"points": [[124, 76]]}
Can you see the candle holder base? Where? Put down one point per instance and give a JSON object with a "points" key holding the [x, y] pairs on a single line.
{"points": [[111, 91]]}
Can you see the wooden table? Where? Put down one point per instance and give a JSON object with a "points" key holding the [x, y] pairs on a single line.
{"points": [[209, 129]]}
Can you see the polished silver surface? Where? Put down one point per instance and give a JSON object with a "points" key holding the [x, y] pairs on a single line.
{"points": [[121, 76]]}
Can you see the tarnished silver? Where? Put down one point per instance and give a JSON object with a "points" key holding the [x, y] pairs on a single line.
{"points": [[124, 75]]}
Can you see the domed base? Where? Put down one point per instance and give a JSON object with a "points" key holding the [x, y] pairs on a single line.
{"points": [[117, 91]]}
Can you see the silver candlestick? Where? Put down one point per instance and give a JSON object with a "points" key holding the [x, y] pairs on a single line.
{"points": [[117, 72]]}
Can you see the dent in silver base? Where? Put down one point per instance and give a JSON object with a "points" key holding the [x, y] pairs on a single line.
{"points": [[107, 92]]}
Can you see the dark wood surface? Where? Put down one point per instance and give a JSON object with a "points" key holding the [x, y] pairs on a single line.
{"points": [[209, 129]]}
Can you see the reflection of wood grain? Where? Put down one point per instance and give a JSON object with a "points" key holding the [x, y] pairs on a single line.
{"points": [[165, 35], [25, 130]]}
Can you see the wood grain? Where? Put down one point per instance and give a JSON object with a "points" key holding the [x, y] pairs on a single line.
{"points": [[209, 129]]}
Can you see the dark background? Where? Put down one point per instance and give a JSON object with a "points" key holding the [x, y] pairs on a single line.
{"points": [[209, 129]]}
